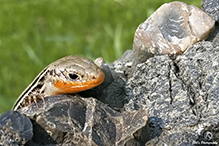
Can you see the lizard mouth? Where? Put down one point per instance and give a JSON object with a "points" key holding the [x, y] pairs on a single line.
{"points": [[64, 87]]}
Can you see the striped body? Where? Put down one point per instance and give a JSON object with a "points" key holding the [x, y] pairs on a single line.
{"points": [[70, 74]]}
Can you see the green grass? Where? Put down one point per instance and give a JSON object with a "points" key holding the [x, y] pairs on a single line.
{"points": [[34, 33]]}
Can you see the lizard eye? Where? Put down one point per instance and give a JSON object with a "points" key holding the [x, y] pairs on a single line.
{"points": [[73, 76]]}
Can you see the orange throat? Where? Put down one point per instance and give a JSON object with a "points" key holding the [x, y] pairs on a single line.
{"points": [[76, 86]]}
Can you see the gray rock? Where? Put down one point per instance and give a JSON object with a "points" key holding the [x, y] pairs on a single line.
{"points": [[73, 120], [123, 66], [15, 129], [111, 91], [214, 36], [211, 7], [180, 95], [107, 71], [171, 30]]}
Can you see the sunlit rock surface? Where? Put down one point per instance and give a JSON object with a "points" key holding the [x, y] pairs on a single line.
{"points": [[171, 30], [181, 96], [73, 120], [15, 129], [211, 7], [164, 100]]}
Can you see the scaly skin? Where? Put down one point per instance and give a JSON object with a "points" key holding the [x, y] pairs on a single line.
{"points": [[67, 75]]}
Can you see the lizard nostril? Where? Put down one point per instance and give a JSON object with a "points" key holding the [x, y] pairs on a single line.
{"points": [[73, 76]]}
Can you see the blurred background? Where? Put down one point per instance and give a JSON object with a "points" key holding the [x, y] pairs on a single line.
{"points": [[35, 33]]}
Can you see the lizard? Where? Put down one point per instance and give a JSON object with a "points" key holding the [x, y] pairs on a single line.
{"points": [[68, 75]]}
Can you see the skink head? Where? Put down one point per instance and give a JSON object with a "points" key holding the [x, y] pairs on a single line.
{"points": [[73, 74]]}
